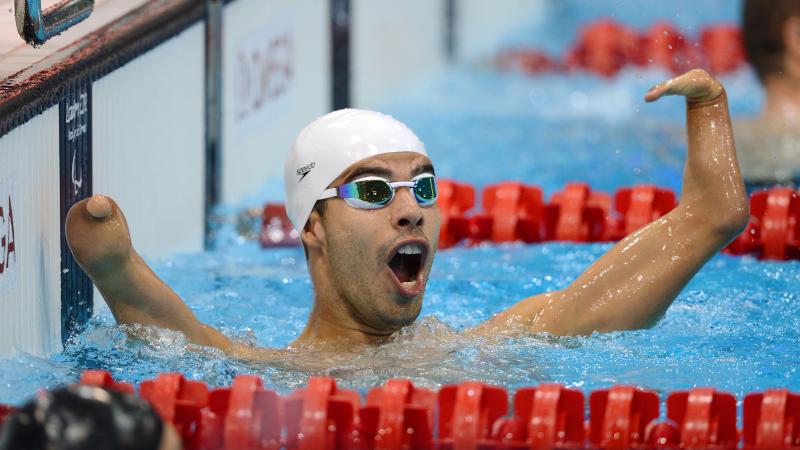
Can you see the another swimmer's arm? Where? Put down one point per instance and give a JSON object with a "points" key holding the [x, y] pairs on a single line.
{"points": [[633, 284], [98, 236]]}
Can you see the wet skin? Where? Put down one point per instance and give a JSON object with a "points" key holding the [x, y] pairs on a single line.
{"points": [[357, 299]]}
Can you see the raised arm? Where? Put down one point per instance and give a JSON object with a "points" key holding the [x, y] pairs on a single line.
{"points": [[632, 285], [98, 236]]}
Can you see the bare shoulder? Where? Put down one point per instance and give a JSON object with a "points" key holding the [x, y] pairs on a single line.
{"points": [[531, 315]]}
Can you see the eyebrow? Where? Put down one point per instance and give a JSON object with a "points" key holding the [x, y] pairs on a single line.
{"points": [[367, 170], [425, 168], [386, 173]]}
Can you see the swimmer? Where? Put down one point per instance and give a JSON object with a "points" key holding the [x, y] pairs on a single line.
{"points": [[83, 417], [769, 144], [361, 190]]}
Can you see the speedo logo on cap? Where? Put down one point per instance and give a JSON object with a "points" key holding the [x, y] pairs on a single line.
{"points": [[303, 171]]}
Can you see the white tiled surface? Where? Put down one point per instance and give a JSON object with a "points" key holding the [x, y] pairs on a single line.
{"points": [[16, 55]]}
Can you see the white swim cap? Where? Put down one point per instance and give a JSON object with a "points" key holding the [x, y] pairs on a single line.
{"points": [[331, 144]]}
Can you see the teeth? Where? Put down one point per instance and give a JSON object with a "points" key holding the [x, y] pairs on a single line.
{"points": [[410, 249], [409, 284]]}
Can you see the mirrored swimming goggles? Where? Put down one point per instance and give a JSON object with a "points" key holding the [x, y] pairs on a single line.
{"points": [[376, 192]]}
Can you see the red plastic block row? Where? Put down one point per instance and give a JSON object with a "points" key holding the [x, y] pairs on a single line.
{"points": [[774, 228], [5, 411], [606, 46], [471, 415], [516, 212], [276, 228]]}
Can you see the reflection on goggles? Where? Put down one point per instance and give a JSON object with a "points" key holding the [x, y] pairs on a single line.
{"points": [[377, 192]]}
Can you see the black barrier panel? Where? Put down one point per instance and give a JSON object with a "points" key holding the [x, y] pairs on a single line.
{"points": [[75, 155], [450, 18], [340, 54]]}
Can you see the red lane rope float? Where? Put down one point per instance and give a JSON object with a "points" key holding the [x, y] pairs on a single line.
{"points": [[774, 228], [771, 420], [467, 413], [620, 417], [514, 211], [547, 416], [606, 46], [723, 48], [102, 378], [399, 416], [576, 214], [470, 416], [706, 417], [5, 411], [454, 200], [276, 228], [323, 417], [640, 205], [253, 418]]}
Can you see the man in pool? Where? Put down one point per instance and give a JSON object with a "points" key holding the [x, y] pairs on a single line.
{"points": [[360, 190], [769, 144]]}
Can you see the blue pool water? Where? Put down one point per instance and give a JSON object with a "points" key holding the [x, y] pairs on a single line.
{"points": [[736, 326]]}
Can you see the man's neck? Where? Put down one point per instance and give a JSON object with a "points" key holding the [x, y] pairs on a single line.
{"points": [[782, 105], [330, 328]]}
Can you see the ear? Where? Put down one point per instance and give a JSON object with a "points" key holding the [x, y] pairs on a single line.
{"points": [[791, 39], [313, 234]]}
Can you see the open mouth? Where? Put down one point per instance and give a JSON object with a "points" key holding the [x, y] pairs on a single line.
{"points": [[406, 264]]}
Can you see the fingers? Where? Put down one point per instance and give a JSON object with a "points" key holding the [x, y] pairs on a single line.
{"points": [[696, 85], [99, 206]]}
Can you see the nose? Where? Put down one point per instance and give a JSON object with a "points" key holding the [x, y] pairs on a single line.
{"points": [[406, 212]]}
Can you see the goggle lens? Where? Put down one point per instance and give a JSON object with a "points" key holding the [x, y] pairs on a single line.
{"points": [[425, 190], [377, 192]]}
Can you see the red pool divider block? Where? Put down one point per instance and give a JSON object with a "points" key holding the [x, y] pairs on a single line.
{"points": [[243, 416], [748, 241], [663, 436], [620, 417], [772, 420], [512, 211], [5, 411], [454, 200], [776, 212], [604, 47], [549, 416], [276, 228], [706, 418], [577, 214], [323, 417], [467, 414], [168, 390], [639, 205], [399, 416], [665, 46], [103, 379], [723, 48], [185, 404]]}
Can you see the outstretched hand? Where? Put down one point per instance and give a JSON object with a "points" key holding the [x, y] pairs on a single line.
{"points": [[696, 85]]}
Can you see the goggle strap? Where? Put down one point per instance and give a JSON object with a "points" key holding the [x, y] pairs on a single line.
{"points": [[328, 193]]}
